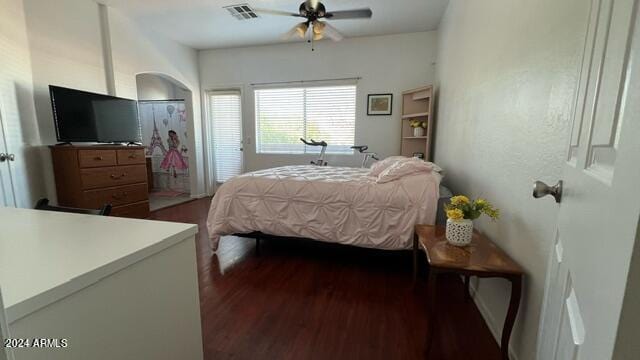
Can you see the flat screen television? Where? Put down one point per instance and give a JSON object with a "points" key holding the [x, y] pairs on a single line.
{"points": [[88, 117]]}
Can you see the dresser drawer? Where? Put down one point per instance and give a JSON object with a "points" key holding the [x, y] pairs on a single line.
{"points": [[131, 156], [96, 158], [112, 176], [138, 210], [116, 196]]}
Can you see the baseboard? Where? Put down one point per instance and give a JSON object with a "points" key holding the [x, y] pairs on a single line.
{"points": [[494, 326], [199, 196]]}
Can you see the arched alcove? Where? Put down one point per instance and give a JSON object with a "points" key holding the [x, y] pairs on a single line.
{"points": [[167, 125]]}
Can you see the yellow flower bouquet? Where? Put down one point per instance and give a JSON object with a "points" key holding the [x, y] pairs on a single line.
{"points": [[461, 207], [460, 213]]}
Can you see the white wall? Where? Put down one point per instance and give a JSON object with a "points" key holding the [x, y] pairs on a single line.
{"points": [[16, 107], [507, 72], [66, 49], [136, 51], [154, 87], [387, 64]]}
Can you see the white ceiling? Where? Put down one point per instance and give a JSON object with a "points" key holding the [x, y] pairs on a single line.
{"points": [[204, 24]]}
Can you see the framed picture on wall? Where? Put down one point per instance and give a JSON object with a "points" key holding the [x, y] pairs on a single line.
{"points": [[379, 104]]}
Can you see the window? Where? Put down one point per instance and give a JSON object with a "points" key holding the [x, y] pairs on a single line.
{"points": [[284, 115], [227, 134]]}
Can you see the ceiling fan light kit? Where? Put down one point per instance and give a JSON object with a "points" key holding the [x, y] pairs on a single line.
{"points": [[313, 11], [301, 29], [318, 27]]}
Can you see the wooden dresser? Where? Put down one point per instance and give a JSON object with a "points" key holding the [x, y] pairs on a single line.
{"points": [[91, 176]]}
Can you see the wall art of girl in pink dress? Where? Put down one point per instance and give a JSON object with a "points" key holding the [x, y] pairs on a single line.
{"points": [[173, 159]]}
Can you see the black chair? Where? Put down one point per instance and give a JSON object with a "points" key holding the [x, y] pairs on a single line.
{"points": [[43, 204]]}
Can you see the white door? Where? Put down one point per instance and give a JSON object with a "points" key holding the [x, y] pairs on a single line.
{"points": [[600, 206], [225, 116], [6, 182]]}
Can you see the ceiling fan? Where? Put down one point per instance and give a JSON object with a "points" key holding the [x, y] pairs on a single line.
{"points": [[314, 11]]}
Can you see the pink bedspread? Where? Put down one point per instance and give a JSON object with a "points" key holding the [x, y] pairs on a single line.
{"points": [[332, 204]]}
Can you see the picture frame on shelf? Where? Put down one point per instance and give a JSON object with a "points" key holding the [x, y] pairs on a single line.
{"points": [[379, 104]]}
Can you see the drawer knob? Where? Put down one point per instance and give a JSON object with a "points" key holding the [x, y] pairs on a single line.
{"points": [[132, 156], [115, 177], [120, 196], [97, 158]]}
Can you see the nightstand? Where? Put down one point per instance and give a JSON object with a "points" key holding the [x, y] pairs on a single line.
{"points": [[482, 258]]}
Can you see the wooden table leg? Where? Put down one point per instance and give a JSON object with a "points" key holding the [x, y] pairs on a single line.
{"points": [[432, 314], [514, 303], [467, 296]]}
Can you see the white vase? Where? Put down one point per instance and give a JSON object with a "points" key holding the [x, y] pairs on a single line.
{"points": [[418, 131], [459, 232]]}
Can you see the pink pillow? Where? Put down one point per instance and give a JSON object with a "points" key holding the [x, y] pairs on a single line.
{"points": [[380, 166], [405, 168]]}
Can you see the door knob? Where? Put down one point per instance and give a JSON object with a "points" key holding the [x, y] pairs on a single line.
{"points": [[7, 157], [541, 189]]}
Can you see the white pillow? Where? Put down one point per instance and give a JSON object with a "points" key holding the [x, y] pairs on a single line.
{"points": [[380, 166], [405, 168]]}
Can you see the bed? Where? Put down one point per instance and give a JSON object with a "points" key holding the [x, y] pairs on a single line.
{"points": [[351, 206]]}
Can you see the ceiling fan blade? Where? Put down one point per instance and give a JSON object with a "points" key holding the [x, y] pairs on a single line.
{"points": [[276, 12], [349, 14], [331, 32]]}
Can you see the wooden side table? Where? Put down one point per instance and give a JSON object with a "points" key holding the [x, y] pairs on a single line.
{"points": [[482, 258]]}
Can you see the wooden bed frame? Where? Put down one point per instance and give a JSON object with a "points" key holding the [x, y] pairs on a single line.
{"points": [[260, 235]]}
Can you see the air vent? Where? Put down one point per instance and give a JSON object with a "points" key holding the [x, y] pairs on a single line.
{"points": [[241, 11]]}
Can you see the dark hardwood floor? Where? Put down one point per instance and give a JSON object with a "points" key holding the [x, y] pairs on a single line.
{"points": [[311, 300]]}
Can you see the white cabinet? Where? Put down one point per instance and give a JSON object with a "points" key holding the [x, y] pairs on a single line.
{"points": [[111, 288], [4, 331]]}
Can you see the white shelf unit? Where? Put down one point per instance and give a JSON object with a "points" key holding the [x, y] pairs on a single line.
{"points": [[417, 104]]}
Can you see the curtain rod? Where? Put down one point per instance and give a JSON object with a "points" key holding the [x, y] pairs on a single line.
{"points": [[303, 81]]}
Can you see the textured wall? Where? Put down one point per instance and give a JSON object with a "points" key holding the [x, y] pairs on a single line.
{"points": [[154, 87], [65, 48], [387, 64], [507, 72], [137, 50]]}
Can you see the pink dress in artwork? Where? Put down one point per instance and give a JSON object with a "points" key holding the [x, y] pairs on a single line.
{"points": [[173, 158]]}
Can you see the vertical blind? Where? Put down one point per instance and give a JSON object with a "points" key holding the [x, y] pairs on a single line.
{"points": [[227, 134], [284, 115]]}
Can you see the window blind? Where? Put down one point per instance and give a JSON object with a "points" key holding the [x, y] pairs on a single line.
{"points": [[284, 115], [227, 134]]}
